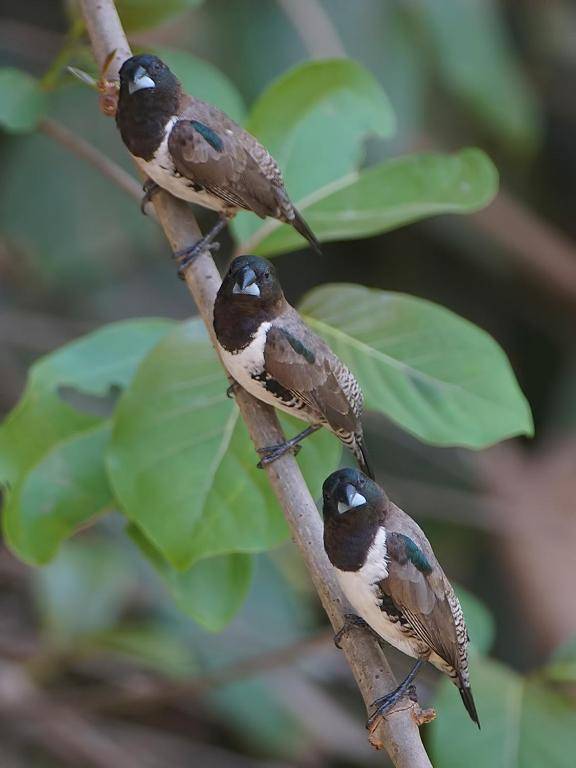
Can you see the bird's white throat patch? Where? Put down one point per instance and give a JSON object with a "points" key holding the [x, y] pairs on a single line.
{"points": [[375, 567]]}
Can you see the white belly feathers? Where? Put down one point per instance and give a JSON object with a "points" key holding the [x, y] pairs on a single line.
{"points": [[161, 170], [360, 588]]}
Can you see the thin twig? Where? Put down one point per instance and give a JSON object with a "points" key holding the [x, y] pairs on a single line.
{"points": [[86, 151], [398, 733]]}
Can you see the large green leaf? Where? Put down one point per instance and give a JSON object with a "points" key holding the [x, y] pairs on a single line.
{"points": [[211, 591], [93, 364], [389, 195], [524, 723], [22, 101], [142, 14], [64, 490], [477, 62], [205, 81], [432, 372], [51, 454], [181, 462], [314, 120]]}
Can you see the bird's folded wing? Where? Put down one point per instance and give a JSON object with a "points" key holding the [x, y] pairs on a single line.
{"points": [[301, 363], [212, 151], [419, 592]]}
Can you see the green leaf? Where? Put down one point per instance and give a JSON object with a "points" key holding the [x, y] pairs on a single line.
{"points": [[479, 620], [93, 364], [22, 101], [477, 63], [65, 490], [387, 196], [143, 14], [83, 592], [524, 723], [205, 81], [180, 461], [314, 120], [430, 371], [211, 592]]}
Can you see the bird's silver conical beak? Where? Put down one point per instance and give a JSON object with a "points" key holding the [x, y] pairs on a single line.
{"points": [[140, 80], [353, 499], [246, 284]]}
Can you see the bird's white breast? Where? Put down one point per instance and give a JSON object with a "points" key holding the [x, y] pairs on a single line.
{"points": [[361, 590], [161, 169], [245, 363]]}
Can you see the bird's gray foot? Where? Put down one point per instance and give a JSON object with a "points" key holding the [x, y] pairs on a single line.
{"points": [[385, 703], [232, 389], [150, 188], [272, 452], [350, 622], [187, 255]]}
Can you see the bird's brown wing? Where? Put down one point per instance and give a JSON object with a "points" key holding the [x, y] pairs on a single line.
{"points": [[215, 153], [418, 591], [303, 364]]}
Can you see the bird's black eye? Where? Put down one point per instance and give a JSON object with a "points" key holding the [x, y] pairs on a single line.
{"points": [[266, 275]]}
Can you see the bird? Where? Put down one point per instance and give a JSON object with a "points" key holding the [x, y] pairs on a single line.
{"points": [[269, 351], [388, 572], [197, 153]]}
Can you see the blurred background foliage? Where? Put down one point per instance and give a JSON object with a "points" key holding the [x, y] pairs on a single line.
{"points": [[111, 658]]}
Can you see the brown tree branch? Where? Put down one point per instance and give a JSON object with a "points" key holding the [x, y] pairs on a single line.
{"points": [[398, 733]]}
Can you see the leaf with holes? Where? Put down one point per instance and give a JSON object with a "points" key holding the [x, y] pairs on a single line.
{"points": [[314, 121], [430, 371]]}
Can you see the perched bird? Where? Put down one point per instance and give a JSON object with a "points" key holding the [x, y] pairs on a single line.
{"points": [[270, 352], [389, 574], [196, 152]]}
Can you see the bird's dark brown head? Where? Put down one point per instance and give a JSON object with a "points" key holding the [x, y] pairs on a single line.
{"points": [[146, 76], [348, 492], [252, 283], [354, 510], [149, 96]]}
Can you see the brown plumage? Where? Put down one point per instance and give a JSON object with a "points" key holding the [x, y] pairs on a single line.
{"points": [[195, 151], [389, 573], [269, 350]]}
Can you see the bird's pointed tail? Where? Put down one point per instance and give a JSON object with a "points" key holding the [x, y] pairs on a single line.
{"points": [[361, 454], [300, 226], [468, 701]]}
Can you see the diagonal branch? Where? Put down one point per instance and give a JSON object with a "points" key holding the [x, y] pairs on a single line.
{"points": [[398, 733]]}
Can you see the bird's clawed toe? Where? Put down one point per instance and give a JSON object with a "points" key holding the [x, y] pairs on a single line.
{"points": [[351, 620], [273, 452], [186, 256], [150, 188], [232, 389]]}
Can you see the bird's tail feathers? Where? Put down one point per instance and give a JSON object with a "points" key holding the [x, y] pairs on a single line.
{"points": [[300, 226], [468, 701], [362, 458]]}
